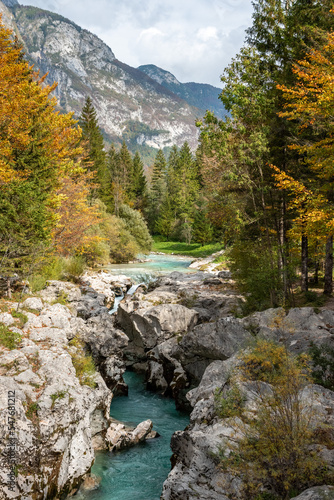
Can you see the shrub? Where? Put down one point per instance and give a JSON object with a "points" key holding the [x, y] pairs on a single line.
{"points": [[83, 364], [136, 225], [22, 317], [75, 266], [229, 403], [52, 268], [8, 338], [273, 452], [57, 395]]}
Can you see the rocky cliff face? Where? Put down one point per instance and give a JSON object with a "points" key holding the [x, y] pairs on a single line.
{"points": [[128, 102], [54, 407]]}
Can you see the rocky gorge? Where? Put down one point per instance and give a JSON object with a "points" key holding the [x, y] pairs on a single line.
{"points": [[182, 332]]}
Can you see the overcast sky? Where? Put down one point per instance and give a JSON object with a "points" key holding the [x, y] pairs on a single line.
{"points": [[193, 39]]}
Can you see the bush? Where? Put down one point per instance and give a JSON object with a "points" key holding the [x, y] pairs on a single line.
{"points": [[275, 451], [229, 403], [51, 269], [83, 364], [136, 225], [9, 339], [75, 266]]}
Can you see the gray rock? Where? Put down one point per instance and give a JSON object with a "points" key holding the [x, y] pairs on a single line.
{"points": [[215, 376], [317, 493], [217, 340], [59, 421], [33, 303], [224, 274], [7, 319], [119, 436], [148, 327], [297, 329]]}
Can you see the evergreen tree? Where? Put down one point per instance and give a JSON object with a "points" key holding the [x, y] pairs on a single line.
{"points": [[157, 189], [202, 227], [166, 222], [120, 166], [96, 156], [139, 183]]}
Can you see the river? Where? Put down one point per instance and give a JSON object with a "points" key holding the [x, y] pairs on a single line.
{"points": [[138, 473]]}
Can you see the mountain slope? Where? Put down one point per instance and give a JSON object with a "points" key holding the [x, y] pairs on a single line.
{"points": [[201, 95], [129, 103]]}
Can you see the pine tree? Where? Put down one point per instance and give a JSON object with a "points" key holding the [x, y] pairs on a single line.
{"points": [[139, 183], [96, 156], [125, 169], [157, 189]]}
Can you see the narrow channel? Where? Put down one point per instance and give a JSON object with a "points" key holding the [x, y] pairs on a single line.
{"points": [[138, 473]]}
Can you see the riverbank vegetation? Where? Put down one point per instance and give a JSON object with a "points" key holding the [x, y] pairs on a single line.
{"points": [[275, 436], [259, 185]]}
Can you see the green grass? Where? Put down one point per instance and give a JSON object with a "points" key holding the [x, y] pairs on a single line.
{"points": [[8, 338], [22, 317], [177, 247]]}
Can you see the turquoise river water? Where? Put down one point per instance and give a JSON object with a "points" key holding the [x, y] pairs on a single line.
{"points": [[156, 265], [138, 473]]}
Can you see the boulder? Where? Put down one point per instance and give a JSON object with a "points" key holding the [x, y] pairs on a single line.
{"points": [[218, 340], [119, 436], [297, 329], [147, 327], [317, 493], [33, 303]]}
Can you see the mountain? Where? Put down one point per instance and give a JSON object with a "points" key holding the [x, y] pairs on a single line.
{"points": [[130, 104], [201, 95]]}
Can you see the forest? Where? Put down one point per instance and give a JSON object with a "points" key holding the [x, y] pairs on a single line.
{"points": [[260, 184]]}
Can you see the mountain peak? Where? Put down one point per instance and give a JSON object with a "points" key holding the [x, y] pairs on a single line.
{"points": [[159, 75], [201, 95], [10, 3]]}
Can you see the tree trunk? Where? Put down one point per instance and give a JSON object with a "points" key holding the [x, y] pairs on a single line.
{"points": [[282, 254], [328, 285], [304, 278], [9, 290], [316, 272]]}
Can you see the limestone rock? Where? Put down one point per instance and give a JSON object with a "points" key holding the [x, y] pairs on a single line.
{"points": [[59, 420], [148, 327], [7, 319], [119, 436], [33, 303], [217, 340], [317, 493], [297, 329]]}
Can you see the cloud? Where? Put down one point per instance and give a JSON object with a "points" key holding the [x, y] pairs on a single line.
{"points": [[193, 39], [149, 34], [205, 34]]}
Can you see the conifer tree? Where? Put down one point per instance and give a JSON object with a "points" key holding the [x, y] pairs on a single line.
{"points": [[139, 183], [96, 156], [157, 189], [125, 169]]}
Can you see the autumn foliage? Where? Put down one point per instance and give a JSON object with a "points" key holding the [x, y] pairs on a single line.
{"points": [[310, 104], [44, 187]]}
